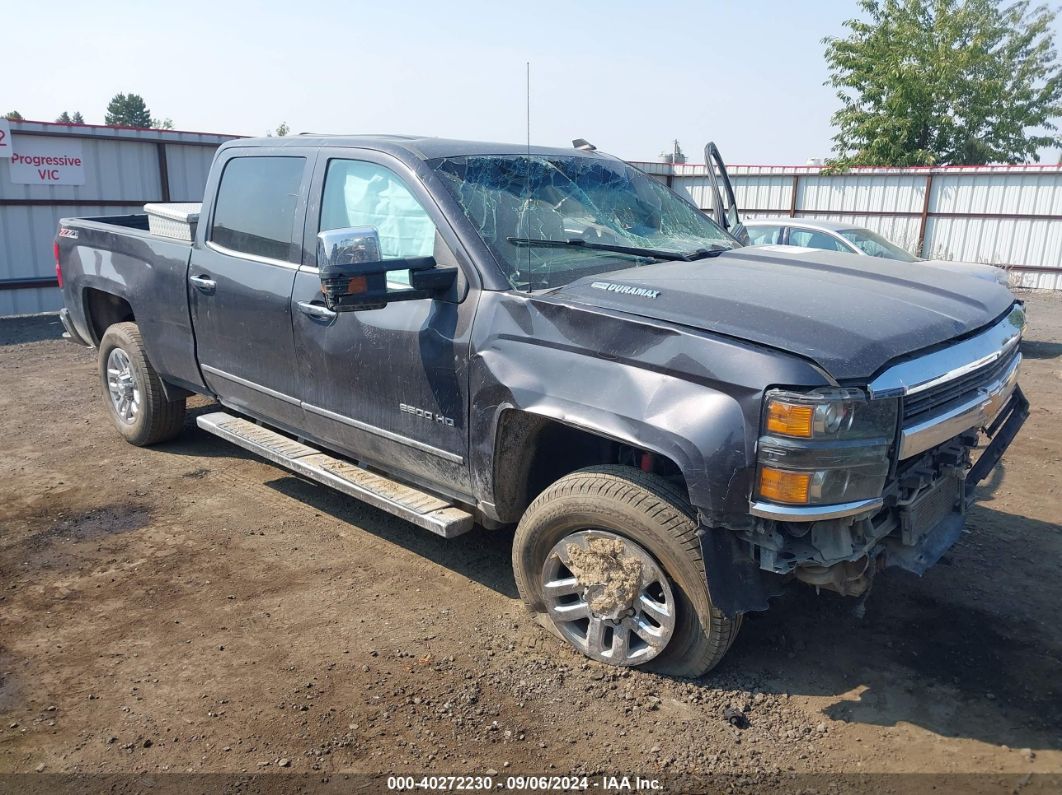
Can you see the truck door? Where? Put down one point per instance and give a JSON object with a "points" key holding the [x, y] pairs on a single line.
{"points": [[387, 386], [240, 279], [724, 208]]}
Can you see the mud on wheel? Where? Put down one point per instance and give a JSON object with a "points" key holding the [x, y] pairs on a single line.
{"points": [[609, 559], [133, 391]]}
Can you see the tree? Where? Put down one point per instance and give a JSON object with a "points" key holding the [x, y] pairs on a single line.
{"points": [[77, 118], [162, 124], [13, 115], [128, 110], [925, 82], [283, 129]]}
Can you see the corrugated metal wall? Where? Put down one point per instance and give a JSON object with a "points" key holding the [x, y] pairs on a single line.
{"points": [[123, 169], [1009, 216]]}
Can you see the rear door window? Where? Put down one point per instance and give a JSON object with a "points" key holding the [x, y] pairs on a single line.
{"points": [[255, 208]]}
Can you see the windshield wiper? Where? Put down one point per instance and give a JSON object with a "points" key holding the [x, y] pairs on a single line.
{"points": [[633, 251]]}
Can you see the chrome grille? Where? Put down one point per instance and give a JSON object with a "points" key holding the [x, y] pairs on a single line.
{"points": [[924, 403]]}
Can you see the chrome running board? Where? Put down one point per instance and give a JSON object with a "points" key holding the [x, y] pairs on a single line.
{"points": [[407, 502]]}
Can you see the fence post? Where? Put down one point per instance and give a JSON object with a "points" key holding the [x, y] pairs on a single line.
{"points": [[924, 217], [164, 170]]}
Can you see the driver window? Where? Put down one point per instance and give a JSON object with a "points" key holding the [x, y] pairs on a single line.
{"points": [[357, 193]]}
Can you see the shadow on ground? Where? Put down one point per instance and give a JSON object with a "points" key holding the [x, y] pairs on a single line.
{"points": [[19, 330], [930, 651]]}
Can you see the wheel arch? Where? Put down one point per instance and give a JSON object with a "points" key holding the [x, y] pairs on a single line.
{"points": [[102, 310], [534, 448]]}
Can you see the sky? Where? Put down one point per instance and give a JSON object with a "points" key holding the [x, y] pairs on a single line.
{"points": [[627, 76]]}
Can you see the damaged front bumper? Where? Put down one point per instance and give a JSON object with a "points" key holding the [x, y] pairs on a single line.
{"points": [[919, 517]]}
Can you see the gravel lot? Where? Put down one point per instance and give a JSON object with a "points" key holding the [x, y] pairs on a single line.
{"points": [[191, 608]]}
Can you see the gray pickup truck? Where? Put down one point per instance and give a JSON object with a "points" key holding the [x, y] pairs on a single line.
{"points": [[459, 333]]}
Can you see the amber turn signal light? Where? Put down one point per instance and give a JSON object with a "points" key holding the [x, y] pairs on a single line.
{"points": [[789, 419], [780, 485]]}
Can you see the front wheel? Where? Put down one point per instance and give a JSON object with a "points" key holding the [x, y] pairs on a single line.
{"points": [[133, 390], [609, 559]]}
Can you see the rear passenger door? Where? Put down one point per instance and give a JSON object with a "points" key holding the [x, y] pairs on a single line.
{"points": [[241, 276]]}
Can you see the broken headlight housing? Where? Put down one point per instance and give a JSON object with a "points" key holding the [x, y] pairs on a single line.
{"points": [[825, 447]]}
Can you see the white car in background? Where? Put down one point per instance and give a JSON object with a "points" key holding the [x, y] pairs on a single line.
{"points": [[834, 236]]}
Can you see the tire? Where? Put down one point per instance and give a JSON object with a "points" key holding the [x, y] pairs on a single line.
{"points": [[655, 515], [154, 419]]}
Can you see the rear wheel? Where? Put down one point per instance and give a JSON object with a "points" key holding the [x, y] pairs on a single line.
{"points": [[609, 560], [132, 390]]}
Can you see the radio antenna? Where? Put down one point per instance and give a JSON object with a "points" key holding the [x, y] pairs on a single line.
{"points": [[527, 182]]}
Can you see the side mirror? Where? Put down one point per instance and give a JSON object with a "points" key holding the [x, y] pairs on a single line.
{"points": [[354, 274]]}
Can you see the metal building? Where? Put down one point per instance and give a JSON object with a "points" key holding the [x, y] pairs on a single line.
{"points": [[1010, 216], [49, 171]]}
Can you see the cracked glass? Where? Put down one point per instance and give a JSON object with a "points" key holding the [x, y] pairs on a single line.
{"points": [[543, 215]]}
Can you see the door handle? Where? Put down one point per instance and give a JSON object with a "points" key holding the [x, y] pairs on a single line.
{"points": [[204, 284], [315, 310]]}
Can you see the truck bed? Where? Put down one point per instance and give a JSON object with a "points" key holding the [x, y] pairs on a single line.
{"points": [[116, 255]]}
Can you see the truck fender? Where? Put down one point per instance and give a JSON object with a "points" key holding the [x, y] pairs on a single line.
{"points": [[701, 430]]}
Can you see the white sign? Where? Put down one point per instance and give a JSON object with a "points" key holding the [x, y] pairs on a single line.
{"points": [[47, 161], [5, 138]]}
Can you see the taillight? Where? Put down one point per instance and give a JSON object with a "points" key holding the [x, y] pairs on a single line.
{"points": [[58, 267]]}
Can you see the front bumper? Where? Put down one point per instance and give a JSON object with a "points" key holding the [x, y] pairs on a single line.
{"points": [[918, 520]]}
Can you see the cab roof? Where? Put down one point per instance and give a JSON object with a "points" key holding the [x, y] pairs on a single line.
{"points": [[420, 147]]}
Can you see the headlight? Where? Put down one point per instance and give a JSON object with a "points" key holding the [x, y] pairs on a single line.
{"points": [[824, 447]]}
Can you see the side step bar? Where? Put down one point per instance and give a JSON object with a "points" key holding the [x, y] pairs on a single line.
{"points": [[407, 502]]}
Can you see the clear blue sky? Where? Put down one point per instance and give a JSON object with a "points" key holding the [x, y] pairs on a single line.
{"points": [[628, 76]]}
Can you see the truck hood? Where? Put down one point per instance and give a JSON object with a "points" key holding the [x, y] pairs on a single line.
{"points": [[849, 314], [975, 269]]}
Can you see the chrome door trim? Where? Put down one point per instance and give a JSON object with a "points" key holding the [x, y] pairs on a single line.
{"points": [[955, 361], [228, 252], [250, 384], [394, 437], [331, 415]]}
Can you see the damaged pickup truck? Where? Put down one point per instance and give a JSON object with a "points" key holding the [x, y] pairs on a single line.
{"points": [[464, 333]]}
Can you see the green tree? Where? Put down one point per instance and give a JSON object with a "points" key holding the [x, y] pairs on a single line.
{"points": [[77, 118], [128, 110], [13, 115], [925, 82], [162, 124], [283, 129]]}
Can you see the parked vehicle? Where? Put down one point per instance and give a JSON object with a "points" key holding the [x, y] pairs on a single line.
{"points": [[463, 333], [836, 236]]}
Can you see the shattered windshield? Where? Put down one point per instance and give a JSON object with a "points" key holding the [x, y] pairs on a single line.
{"points": [[551, 219]]}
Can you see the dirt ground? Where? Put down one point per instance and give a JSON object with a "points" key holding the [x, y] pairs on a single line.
{"points": [[192, 608]]}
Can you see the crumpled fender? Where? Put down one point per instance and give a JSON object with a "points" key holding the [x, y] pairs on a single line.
{"points": [[682, 394]]}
